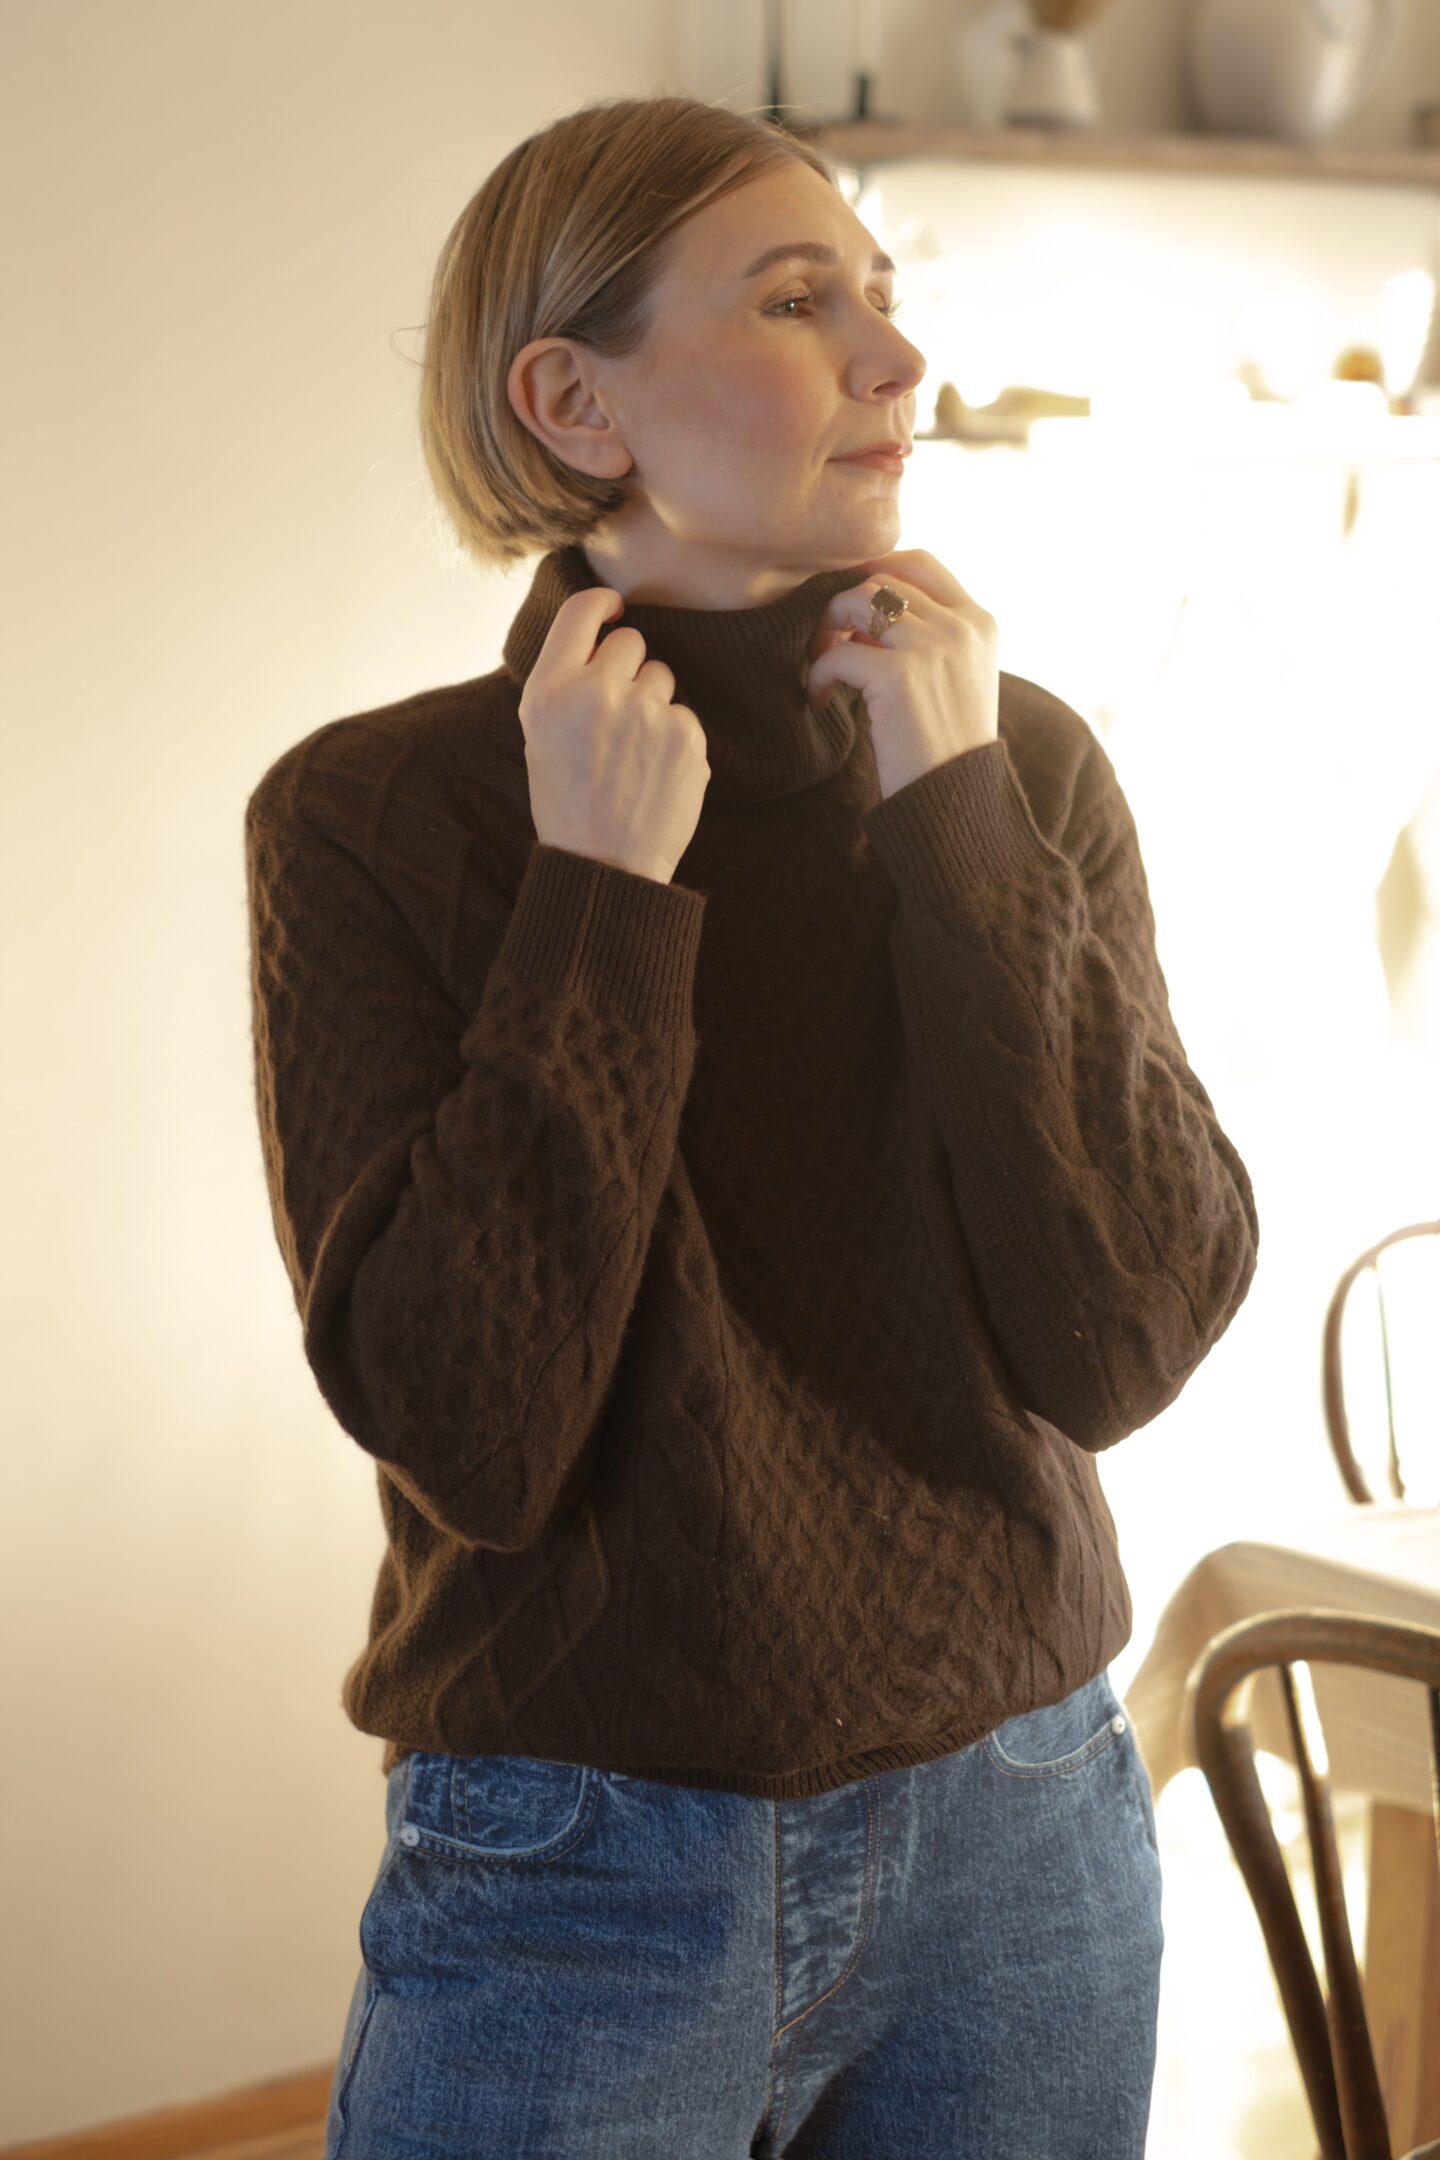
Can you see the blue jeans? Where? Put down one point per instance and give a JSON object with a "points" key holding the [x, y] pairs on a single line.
{"points": [[958, 1959]]}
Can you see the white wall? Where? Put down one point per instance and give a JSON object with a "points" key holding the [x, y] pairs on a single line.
{"points": [[220, 224]]}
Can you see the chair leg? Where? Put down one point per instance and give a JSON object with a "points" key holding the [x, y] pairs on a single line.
{"points": [[1402, 1970]]}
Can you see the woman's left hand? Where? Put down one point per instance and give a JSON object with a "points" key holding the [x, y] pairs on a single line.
{"points": [[932, 689]]}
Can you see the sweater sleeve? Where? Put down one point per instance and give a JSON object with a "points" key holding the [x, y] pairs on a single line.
{"points": [[1110, 1221], [464, 1205]]}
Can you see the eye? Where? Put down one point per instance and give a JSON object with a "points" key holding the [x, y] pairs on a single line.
{"points": [[794, 300]]}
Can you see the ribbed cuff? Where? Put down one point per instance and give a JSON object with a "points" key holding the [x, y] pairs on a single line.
{"points": [[608, 936], [967, 817]]}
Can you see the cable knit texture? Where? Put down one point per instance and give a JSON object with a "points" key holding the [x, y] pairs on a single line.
{"points": [[735, 1279]]}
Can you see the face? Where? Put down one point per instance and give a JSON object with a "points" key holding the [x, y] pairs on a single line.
{"points": [[732, 419]]}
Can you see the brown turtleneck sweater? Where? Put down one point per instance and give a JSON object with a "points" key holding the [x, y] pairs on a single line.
{"points": [[733, 1280]]}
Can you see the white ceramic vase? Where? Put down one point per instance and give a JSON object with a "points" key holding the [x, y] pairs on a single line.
{"points": [[1052, 85], [1288, 69]]}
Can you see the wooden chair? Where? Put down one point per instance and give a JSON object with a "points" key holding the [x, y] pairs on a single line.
{"points": [[1426, 1265], [1328, 2030]]}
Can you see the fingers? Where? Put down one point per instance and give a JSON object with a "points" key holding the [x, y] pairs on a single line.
{"points": [[621, 648], [848, 661], [570, 640], [849, 611]]}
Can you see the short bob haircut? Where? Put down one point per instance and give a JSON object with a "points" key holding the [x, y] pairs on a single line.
{"points": [[568, 238]]}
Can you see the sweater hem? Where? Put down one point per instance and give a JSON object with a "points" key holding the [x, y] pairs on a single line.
{"points": [[792, 1784]]}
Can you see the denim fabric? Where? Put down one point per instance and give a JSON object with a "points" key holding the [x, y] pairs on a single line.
{"points": [[962, 1958]]}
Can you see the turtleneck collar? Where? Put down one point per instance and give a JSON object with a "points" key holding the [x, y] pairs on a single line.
{"points": [[741, 671]]}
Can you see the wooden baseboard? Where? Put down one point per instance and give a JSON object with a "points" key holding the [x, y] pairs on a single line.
{"points": [[289, 2103]]}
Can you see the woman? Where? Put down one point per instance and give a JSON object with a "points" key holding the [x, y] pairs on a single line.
{"points": [[737, 1168]]}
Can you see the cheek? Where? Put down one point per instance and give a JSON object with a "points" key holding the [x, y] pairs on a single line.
{"points": [[757, 397], [779, 401]]}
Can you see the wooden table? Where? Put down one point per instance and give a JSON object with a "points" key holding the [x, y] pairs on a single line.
{"points": [[1382, 1559]]}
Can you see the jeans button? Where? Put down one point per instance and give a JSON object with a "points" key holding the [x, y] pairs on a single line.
{"points": [[1117, 1724]]}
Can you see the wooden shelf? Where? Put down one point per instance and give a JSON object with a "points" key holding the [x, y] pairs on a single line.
{"points": [[864, 142]]}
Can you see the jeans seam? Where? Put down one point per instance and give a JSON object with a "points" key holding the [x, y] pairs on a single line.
{"points": [[797, 2026], [372, 1997], [1140, 1775], [868, 1901]]}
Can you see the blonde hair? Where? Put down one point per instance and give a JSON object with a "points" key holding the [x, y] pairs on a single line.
{"points": [[567, 237]]}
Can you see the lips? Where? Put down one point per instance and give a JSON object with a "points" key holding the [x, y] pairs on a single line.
{"points": [[879, 449]]}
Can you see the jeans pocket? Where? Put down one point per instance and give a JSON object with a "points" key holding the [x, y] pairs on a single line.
{"points": [[498, 1810], [1057, 1739], [470, 1835]]}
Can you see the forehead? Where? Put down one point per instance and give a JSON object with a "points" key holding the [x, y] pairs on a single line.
{"points": [[726, 238]]}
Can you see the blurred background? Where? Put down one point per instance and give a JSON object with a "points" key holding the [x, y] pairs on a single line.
{"points": [[1180, 434]]}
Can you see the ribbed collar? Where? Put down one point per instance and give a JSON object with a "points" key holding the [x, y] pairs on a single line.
{"points": [[741, 671]]}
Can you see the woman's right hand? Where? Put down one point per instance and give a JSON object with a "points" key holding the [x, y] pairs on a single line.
{"points": [[616, 770]]}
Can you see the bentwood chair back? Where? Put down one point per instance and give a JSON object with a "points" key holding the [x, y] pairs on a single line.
{"points": [[1328, 2026], [1380, 1362]]}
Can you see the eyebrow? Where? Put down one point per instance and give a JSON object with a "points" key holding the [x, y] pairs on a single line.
{"points": [[807, 251]]}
